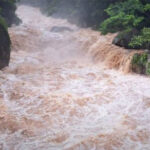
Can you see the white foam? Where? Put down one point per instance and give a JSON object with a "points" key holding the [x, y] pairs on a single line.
{"points": [[71, 103]]}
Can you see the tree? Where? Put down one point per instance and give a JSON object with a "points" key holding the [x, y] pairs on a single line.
{"points": [[132, 19]]}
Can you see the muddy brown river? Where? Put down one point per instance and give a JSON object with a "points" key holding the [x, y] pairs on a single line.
{"points": [[70, 90]]}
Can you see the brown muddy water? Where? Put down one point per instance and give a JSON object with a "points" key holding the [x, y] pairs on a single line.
{"points": [[60, 91]]}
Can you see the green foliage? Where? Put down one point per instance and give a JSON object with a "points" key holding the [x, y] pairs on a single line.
{"points": [[140, 63], [129, 15], [147, 7], [148, 68], [123, 16], [140, 59], [120, 22], [142, 39], [3, 23]]}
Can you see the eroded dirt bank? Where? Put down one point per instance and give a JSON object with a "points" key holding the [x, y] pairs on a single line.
{"points": [[54, 96]]}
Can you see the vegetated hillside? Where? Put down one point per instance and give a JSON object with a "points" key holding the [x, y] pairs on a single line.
{"points": [[131, 18], [7, 18]]}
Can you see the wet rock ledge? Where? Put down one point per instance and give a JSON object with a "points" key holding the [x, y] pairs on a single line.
{"points": [[4, 47]]}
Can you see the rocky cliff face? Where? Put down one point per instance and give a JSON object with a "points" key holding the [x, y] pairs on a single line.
{"points": [[7, 18], [4, 47]]}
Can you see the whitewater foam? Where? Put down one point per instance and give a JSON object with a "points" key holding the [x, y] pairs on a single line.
{"points": [[53, 96]]}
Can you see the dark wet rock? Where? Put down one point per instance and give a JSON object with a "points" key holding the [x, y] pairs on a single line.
{"points": [[8, 9], [139, 69], [61, 29], [124, 38], [4, 47]]}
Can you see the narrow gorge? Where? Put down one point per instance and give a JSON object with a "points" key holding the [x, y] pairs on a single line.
{"points": [[70, 88]]}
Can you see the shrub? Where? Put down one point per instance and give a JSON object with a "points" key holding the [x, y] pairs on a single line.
{"points": [[141, 40], [129, 15]]}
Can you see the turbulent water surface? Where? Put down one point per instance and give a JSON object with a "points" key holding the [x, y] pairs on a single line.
{"points": [[56, 95]]}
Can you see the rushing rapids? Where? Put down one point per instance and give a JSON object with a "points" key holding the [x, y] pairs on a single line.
{"points": [[53, 96]]}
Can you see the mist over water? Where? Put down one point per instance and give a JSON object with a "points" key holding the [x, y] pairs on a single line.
{"points": [[60, 91]]}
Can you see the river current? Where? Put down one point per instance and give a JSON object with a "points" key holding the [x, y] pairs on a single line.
{"points": [[70, 90]]}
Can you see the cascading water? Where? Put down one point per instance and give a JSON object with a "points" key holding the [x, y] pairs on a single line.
{"points": [[54, 97]]}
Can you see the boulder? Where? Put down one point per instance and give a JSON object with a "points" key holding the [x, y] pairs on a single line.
{"points": [[124, 38], [61, 29], [4, 47]]}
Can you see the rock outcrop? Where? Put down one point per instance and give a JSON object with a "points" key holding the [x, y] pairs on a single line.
{"points": [[4, 47], [124, 38], [7, 18], [141, 63], [61, 29], [8, 9]]}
